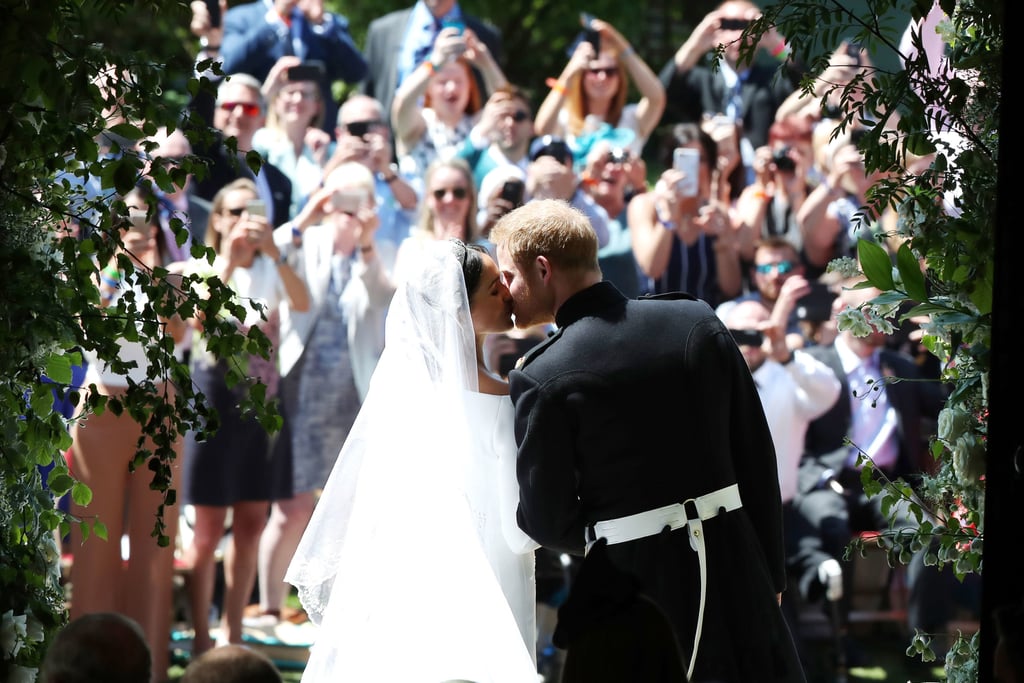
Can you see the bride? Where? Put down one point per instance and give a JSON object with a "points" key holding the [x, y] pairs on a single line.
{"points": [[413, 565]]}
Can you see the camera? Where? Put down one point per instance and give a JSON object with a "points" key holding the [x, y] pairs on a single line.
{"points": [[816, 305], [747, 337], [512, 192], [782, 160]]}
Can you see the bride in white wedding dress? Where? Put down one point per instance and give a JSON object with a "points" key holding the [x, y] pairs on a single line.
{"points": [[413, 565]]}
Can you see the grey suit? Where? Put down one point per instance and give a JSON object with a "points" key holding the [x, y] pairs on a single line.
{"points": [[384, 45]]}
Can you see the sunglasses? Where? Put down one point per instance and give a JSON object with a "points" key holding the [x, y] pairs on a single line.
{"points": [[608, 71], [237, 211], [456, 192], [361, 128], [248, 108], [520, 116], [782, 267], [551, 146]]}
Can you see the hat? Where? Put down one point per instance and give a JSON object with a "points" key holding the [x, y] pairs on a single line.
{"points": [[551, 146]]}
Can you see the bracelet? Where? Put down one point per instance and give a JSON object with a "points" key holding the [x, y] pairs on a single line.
{"points": [[366, 249], [430, 66], [555, 85], [627, 52], [781, 51], [112, 272], [668, 225], [282, 257]]}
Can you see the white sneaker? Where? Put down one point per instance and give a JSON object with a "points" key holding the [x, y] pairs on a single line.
{"points": [[831, 576]]}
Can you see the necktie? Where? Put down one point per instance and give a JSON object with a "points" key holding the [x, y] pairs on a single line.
{"points": [[430, 31], [874, 419]]}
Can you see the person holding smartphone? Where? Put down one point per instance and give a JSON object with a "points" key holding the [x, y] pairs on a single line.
{"points": [[589, 97], [681, 232], [748, 94], [327, 354], [234, 470]]}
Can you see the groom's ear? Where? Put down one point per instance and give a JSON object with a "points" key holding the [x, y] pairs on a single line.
{"points": [[544, 268]]}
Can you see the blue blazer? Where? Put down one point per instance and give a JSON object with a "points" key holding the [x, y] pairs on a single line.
{"points": [[252, 45]]}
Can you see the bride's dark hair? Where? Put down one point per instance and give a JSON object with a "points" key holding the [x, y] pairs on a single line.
{"points": [[472, 262]]}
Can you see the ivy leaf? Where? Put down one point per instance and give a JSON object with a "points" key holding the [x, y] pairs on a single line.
{"points": [[875, 264], [910, 271]]}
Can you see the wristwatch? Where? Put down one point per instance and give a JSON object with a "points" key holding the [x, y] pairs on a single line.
{"points": [[390, 175]]}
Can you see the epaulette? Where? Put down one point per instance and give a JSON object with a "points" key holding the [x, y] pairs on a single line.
{"points": [[538, 349], [667, 296]]}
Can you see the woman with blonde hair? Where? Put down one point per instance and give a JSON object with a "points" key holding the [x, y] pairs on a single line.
{"points": [[448, 210], [235, 470], [589, 98]]}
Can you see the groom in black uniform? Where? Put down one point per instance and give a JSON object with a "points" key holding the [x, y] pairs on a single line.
{"points": [[638, 422]]}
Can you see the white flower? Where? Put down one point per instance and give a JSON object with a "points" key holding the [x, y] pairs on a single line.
{"points": [[12, 633], [952, 423], [33, 627], [22, 674]]}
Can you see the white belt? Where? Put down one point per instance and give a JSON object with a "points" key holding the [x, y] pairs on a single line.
{"points": [[674, 516]]}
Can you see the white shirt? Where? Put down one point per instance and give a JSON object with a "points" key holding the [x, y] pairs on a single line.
{"points": [[873, 429], [792, 396]]}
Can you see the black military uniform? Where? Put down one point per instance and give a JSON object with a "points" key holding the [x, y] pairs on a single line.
{"points": [[637, 404]]}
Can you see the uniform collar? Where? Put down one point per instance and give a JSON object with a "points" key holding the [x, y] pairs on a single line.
{"points": [[586, 302]]}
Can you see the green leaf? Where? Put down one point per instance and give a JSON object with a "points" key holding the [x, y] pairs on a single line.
{"points": [[100, 529], [59, 482], [875, 264], [58, 368], [81, 494], [127, 130], [42, 402], [911, 273]]}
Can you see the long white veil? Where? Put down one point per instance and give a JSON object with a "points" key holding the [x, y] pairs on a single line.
{"points": [[391, 566]]}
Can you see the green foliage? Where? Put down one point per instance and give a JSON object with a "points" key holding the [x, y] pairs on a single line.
{"points": [[52, 108], [942, 266]]}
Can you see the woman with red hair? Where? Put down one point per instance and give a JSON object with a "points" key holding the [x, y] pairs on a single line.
{"points": [[438, 104]]}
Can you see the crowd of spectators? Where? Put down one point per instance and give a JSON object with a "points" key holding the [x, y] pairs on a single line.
{"points": [[434, 142]]}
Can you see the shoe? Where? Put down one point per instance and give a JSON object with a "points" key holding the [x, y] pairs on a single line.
{"points": [[264, 620], [831, 576]]}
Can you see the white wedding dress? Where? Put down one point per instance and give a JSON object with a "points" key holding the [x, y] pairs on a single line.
{"points": [[413, 566]]}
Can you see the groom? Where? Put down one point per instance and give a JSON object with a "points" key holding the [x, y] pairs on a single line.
{"points": [[638, 422]]}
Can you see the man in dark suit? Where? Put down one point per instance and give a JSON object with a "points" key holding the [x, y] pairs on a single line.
{"points": [[239, 112], [888, 422], [638, 422], [747, 93], [399, 41], [257, 34]]}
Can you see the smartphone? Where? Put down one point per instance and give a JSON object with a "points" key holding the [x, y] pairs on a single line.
{"points": [[733, 24], [747, 337], [687, 160], [457, 24], [256, 207], [589, 34], [307, 71], [138, 221], [348, 201], [512, 191], [816, 305], [213, 7]]}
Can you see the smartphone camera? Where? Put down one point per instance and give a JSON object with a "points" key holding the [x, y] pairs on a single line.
{"points": [[783, 161], [733, 24], [512, 192], [213, 8], [747, 337]]}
